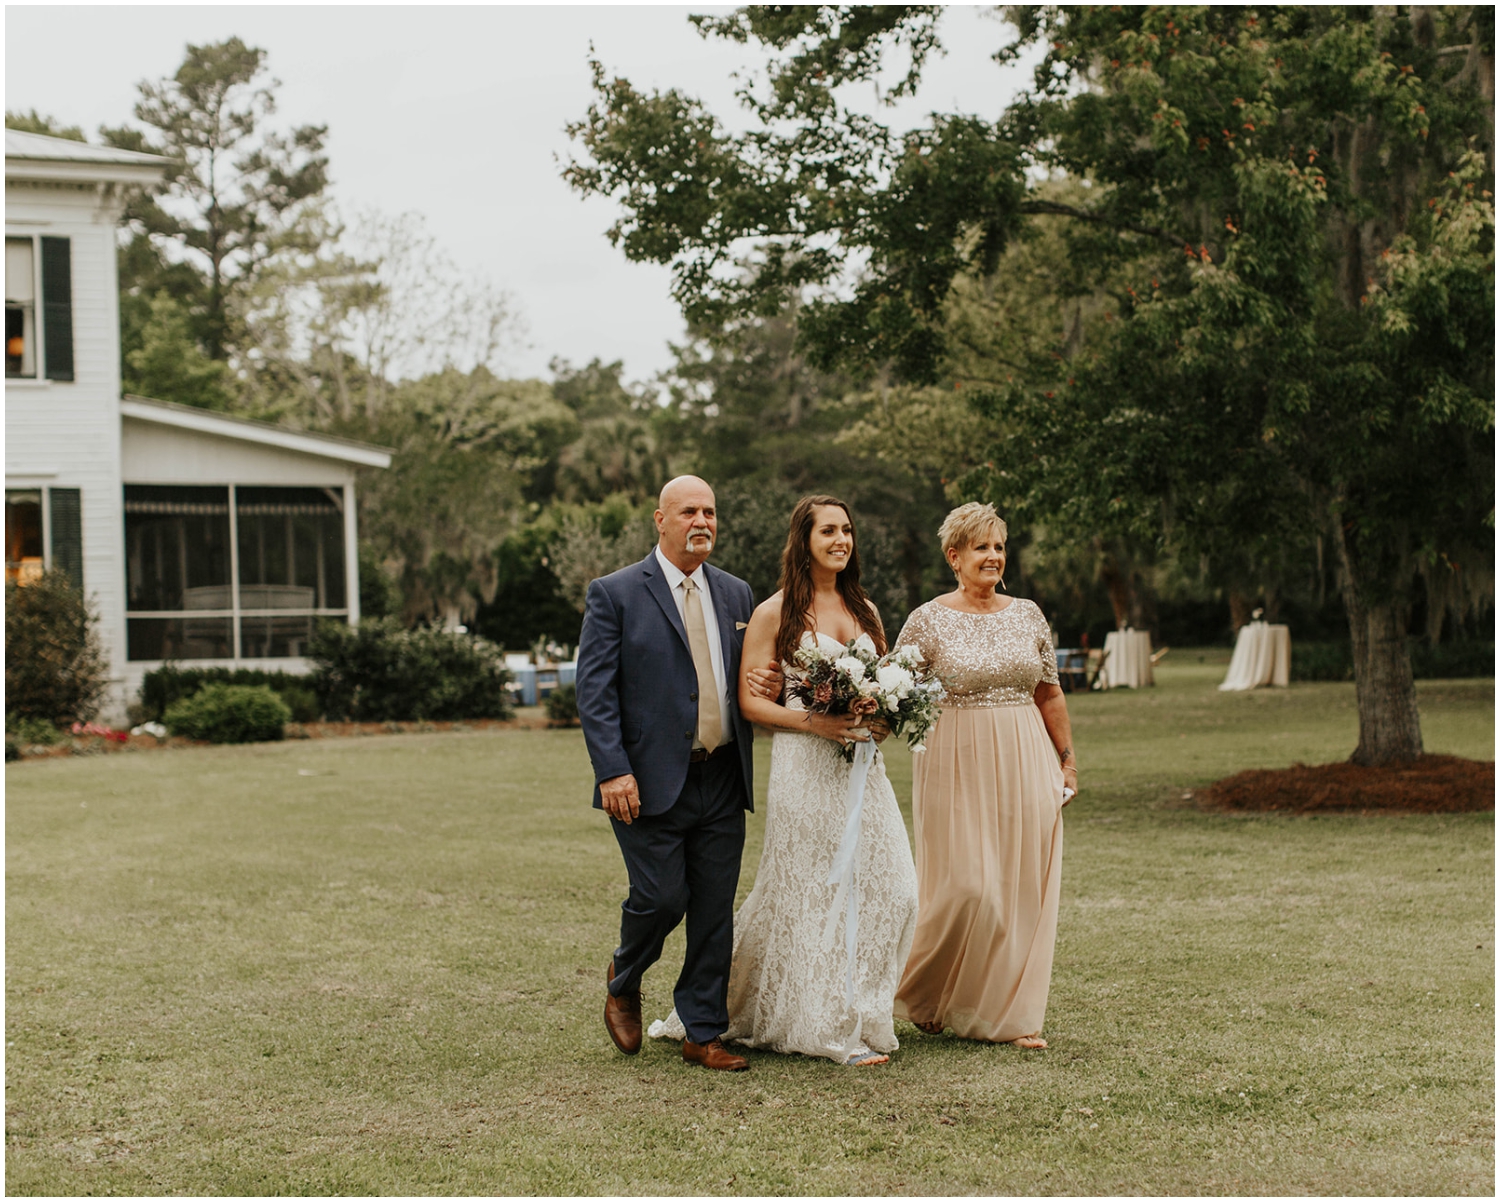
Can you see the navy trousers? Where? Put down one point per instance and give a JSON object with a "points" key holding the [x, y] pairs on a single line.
{"points": [[686, 862]]}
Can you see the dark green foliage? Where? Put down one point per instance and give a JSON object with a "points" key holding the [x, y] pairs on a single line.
{"points": [[1286, 239], [162, 686], [615, 448], [765, 429], [165, 360], [378, 672], [55, 669], [12, 752], [29, 731], [229, 713], [238, 193], [1446, 661], [379, 595], [465, 444], [752, 531], [528, 602], [33, 122], [562, 705], [1322, 661], [1452, 661]]}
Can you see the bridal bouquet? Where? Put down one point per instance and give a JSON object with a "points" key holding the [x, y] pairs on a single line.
{"points": [[856, 681], [908, 695]]}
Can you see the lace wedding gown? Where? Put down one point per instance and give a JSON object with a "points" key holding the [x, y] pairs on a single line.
{"points": [[789, 988]]}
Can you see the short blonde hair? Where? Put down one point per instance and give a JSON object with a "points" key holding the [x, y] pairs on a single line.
{"points": [[968, 524]]}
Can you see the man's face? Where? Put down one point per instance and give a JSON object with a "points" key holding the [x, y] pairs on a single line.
{"points": [[688, 523]]}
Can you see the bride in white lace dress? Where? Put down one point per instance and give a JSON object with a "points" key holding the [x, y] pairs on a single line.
{"points": [[791, 988]]}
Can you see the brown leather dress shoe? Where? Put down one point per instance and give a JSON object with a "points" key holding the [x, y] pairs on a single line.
{"points": [[714, 1054], [622, 1017]]}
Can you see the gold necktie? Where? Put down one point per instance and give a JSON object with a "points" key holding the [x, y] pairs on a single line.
{"points": [[709, 728]]}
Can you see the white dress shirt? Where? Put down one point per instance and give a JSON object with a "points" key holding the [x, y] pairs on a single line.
{"points": [[674, 577]]}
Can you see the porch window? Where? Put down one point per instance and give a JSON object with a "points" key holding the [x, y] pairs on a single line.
{"points": [[291, 566], [235, 572]]}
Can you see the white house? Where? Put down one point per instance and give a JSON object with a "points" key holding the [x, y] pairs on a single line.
{"points": [[200, 538]]}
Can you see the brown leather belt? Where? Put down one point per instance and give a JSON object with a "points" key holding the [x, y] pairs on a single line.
{"points": [[699, 754]]}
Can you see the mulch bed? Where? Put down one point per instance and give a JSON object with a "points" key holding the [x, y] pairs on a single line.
{"points": [[1433, 784]]}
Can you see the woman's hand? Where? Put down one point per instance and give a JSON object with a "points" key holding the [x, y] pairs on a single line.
{"points": [[879, 731], [1070, 780], [840, 728], [765, 682]]}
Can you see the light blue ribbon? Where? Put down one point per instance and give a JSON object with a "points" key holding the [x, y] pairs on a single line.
{"points": [[842, 872]]}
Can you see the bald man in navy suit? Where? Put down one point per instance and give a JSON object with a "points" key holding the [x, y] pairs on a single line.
{"points": [[658, 676]]}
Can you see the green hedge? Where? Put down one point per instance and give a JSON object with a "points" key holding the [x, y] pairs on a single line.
{"points": [[1446, 661], [230, 713], [562, 704], [1452, 661], [162, 686], [379, 672], [1322, 661]]}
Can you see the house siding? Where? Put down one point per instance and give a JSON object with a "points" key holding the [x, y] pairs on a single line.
{"points": [[73, 434], [66, 433]]}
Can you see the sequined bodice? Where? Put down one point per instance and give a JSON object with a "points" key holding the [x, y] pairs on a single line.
{"points": [[984, 659]]}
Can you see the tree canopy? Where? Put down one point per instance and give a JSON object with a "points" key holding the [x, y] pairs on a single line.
{"points": [[1281, 216], [238, 193]]}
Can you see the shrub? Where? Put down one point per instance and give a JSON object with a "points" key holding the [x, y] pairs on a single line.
{"points": [[1322, 661], [379, 672], [230, 713], [28, 732], [1451, 661], [562, 704], [55, 670], [162, 686]]}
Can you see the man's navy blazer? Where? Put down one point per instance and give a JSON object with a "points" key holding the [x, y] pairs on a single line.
{"points": [[637, 687]]}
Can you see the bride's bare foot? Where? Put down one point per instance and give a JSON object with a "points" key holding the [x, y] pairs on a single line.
{"points": [[1030, 1042], [931, 1028]]}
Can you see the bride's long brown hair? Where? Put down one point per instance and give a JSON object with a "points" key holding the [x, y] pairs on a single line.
{"points": [[796, 582]]}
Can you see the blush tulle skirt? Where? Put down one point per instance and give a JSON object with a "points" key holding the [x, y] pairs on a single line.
{"points": [[987, 809]]}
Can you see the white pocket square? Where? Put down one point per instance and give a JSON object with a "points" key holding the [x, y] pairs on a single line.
{"points": [[741, 625]]}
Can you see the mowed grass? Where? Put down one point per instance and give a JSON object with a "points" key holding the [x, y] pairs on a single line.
{"points": [[376, 966]]}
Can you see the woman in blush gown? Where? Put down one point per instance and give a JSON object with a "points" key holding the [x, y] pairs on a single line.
{"points": [[987, 801], [793, 986]]}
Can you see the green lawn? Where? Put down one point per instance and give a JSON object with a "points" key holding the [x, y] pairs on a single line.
{"points": [[376, 966]]}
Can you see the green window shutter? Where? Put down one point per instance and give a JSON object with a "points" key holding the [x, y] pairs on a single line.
{"points": [[57, 308], [67, 533]]}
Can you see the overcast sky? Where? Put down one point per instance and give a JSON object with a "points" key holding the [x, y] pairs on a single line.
{"points": [[458, 113]]}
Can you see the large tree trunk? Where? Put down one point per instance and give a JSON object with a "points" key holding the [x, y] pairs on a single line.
{"points": [[1116, 577], [1131, 595], [1389, 728], [1239, 609]]}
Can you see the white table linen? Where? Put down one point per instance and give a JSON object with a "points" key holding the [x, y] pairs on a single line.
{"points": [[1262, 656], [1127, 663]]}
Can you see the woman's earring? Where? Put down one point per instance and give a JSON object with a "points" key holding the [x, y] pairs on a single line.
{"points": [[1002, 583]]}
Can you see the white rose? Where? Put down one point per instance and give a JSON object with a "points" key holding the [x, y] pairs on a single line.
{"points": [[893, 703], [851, 666], [895, 679]]}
